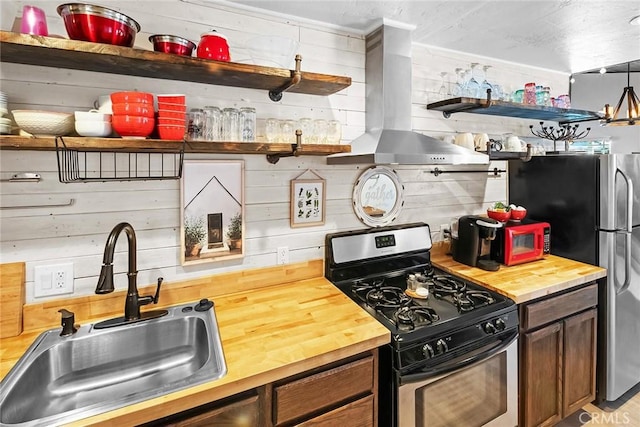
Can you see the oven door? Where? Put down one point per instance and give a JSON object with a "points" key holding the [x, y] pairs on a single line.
{"points": [[482, 393]]}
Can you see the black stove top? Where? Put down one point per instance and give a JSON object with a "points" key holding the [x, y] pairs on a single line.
{"points": [[442, 319]]}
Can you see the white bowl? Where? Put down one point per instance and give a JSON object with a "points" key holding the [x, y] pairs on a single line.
{"points": [[92, 116], [45, 123], [93, 128]]}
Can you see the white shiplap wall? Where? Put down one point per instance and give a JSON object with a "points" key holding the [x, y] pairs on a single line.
{"points": [[77, 233]]}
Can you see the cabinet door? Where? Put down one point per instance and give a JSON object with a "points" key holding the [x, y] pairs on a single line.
{"points": [[579, 385], [227, 413], [541, 376], [355, 414]]}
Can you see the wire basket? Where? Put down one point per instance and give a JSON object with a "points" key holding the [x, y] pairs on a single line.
{"points": [[86, 165]]}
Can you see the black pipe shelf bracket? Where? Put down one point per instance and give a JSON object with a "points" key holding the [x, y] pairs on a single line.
{"points": [[295, 150], [495, 172], [276, 94]]}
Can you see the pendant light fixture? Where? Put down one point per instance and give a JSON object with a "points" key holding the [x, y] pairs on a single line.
{"points": [[633, 107]]}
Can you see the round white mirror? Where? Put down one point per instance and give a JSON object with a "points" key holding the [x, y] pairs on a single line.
{"points": [[377, 196]]}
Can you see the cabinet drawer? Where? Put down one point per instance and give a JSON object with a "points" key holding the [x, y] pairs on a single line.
{"points": [[549, 310], [322, 390], [354, 414]]}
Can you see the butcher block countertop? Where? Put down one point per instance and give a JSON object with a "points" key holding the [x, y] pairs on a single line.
{"points": [[524, 282], [268, 333]]}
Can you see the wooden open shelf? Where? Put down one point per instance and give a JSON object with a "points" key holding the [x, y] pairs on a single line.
{"points": [[14, 142], [511, 109], [104, 58]]}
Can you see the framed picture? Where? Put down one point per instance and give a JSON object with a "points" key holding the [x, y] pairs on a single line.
{"points": [[212, 211], [307, 201]]}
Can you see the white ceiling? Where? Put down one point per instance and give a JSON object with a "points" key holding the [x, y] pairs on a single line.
{"points": [[562, 35]]}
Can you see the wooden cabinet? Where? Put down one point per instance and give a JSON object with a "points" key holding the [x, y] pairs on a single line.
{"points": [[557, 356], [327, 395], [245, 409], [339, 393]]}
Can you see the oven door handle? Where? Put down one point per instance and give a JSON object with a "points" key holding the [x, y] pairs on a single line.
{"points": [[462, 361]]}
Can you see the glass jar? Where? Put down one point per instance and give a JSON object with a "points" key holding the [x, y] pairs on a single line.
{"points": [[213, 123], [334, 132], [539, 95], [272, 130], [320, 131], [247, 124], [546, 96], [230, 124], [529, 94], [288, 131], [305, 124], [195, 128]]}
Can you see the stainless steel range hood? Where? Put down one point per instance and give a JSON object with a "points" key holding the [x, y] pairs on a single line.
{"points": [[389, 138]]}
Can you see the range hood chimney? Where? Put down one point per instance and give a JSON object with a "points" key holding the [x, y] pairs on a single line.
{"points": [[389, 138]]}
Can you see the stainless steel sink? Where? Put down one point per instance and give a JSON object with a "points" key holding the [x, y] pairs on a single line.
{"points": [[62, 379]]}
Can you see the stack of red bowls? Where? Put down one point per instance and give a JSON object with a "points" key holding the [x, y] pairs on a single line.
{"points": [[133, 114], [172, 116]]}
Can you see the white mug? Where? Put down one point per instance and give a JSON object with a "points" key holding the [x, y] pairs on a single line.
{"points": [[465, 140], [103, 104], [513, 143], [480, 141]]}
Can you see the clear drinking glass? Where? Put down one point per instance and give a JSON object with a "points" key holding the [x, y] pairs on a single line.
{"points": [[287, 131], [272, 130], [195, 128], [320, 131], [334, 132], [443, 92], [230, 124], [485, 85], [248, 124], [305, 124], [458, 89], [472, 86], [213, 123]]}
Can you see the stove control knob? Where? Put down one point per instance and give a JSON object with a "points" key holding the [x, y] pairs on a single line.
{"points": [[489, 328], [441, 346], [500, 325], [428, 352]]}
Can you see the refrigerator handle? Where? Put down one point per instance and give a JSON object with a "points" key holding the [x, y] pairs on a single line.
{"points": [[627, 232]]}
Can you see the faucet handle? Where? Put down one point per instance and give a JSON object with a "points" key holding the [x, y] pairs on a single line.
{"points": [[156, 297], [67, 322]]}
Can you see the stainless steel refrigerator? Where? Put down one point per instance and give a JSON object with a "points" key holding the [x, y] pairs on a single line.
{"points": [[593, 205]]}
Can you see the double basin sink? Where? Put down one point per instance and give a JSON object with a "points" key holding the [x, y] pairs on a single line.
{"points": [[63, 379]]}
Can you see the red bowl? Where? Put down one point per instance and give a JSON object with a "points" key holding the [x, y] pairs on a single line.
{"points": [[502, 216], [136, 126], [167, 106], [213, 46], [518, 214], [169, 114], [133, 109], [98, 24], [172, 44], [171, 122], [171, 132], [131, 97], [172, 98]]}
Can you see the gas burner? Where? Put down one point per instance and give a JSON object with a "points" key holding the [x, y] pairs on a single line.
{"points": [[445, 285], [412, 315], [387, 297], [469, 300]]}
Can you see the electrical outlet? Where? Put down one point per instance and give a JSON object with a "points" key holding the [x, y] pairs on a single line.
{"points": [[53, 280], [443, 236], [282, 255]]}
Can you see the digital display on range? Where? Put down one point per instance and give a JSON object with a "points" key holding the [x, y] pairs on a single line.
{"points": [[385, 241]]}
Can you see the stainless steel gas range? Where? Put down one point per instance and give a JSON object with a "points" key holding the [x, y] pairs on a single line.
{"points": [[452, 359]]}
